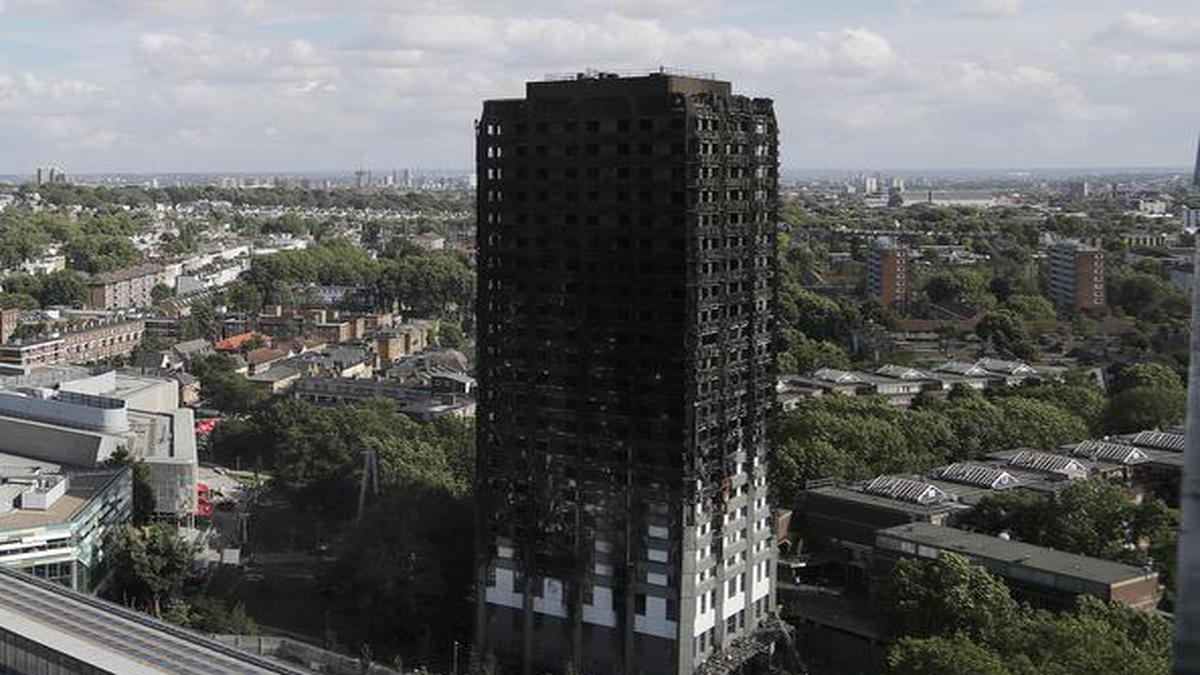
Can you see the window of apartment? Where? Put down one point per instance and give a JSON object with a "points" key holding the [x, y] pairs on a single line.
{"points": [[639, 602], [622, 125], [731, 625], [732, 587]]}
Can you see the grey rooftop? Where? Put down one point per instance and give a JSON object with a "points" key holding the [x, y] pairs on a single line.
{"points": [[115, 639], [987, 547]]}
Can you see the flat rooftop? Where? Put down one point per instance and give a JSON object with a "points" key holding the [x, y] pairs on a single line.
{"points": [[82, 486], [115, 639], [985, 546]]}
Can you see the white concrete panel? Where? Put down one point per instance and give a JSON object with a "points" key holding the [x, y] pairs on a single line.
{"points": [[655, 622], [600, 611]]}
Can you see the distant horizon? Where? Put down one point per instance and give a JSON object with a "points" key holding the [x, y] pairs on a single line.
{"points": [[1099, 170]]}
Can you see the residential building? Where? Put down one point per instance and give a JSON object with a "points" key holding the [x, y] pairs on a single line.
{"points": [[1045, 576], [50, 174], [54, 520], [1149, 239], [1191, 219], [626, 247], [418, 368], [419, 403], [10, 318], [900, 385], [428, 241], [276, 379], [91, 343], [127, 288], [1077, 276], [237, 343], [406, 339], [889, 274], [262, 358]]}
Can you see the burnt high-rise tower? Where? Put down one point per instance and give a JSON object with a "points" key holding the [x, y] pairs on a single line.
{"points": [[626, 278], [1196, 168]]}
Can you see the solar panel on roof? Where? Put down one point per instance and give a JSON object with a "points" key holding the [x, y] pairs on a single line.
{"points": [[1117, 453], [979, 475], [1162, 440], [906, 489], [834, 375], [1047, 463], [900, 372]]}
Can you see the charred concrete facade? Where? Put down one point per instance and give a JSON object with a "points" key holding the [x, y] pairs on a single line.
{"points": [[626, 284]]}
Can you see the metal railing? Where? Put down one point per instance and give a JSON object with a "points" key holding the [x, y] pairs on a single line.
{"points": [[596, 74]]}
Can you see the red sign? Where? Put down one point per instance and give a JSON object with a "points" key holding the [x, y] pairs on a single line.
{"points": [[206, 426]]}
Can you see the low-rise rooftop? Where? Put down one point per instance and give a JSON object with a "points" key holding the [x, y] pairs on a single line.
{"points": [[984, 546]]}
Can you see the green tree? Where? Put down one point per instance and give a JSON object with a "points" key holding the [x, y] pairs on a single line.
{"points": [[148, 564], [245, 298], [954, 655], [433, 283], [961, 290], [224, 388], [62, 288], [160, 293], [1148, 374], [450, 334], [1090, 517], [143, 488], [1024, 515], [947, 596], [94, 253], [403, 576], [1006, 332], [18, 301], [956, 618], [1032, 307], [1144, 407], [802, 354], [201, 322], [1037, 424]]}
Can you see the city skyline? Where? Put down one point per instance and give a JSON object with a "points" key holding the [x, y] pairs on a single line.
{"points": [[272, 86]]}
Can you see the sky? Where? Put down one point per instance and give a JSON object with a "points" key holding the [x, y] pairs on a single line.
{"points": [[315, 85]]}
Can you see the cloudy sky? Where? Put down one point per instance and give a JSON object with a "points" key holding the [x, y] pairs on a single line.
{"points": [[294, 85]]}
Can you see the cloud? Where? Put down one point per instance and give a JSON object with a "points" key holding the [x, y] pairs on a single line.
{"points": [[280, 84], [1146, 45], [1144, 30], [988, 9], [28, 93]]}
